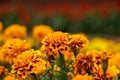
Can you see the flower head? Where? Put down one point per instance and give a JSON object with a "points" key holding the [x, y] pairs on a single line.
{"points": [[54, 43], [40, 31], [14, 47], [15, 31], [98, 72], [78, 41], [28, 62], [9, 77], [83, 64], [112, 71]]}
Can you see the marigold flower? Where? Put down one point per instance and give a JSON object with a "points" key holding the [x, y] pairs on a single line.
{"points": [[15, 31], [115, 60], [111, 72], [9, 77], [1, 55], [82, 77], [1, 26], [101, 44], [77, 41], [39, 31], [83, 63], [105, 55], [98, 72], [14, 47], [28, 62], [96, 56], [3, 71], [54, 43]]}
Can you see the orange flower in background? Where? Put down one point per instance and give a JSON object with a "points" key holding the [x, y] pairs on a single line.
{"points": [[3, 71], [40, 31], [54, 43], [105, 55], [9, 77], [78, 41], [28, 62], [16, 31], [1, 26], [14, 47]]}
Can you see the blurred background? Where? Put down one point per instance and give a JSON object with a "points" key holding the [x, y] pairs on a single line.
{"points": [[93, 17]]}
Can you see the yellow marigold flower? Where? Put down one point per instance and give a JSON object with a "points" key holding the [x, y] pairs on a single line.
{"points": [[101, 44], [9, 77], [1, 26], [15, 31], [39, 31], [14, 47], [83, 63], [3, 71], [82, 77], [117, 48], [78, 41], [54, 43], [28, 62]]}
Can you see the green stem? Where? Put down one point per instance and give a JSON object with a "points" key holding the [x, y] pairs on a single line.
{"points": [[104, 75], [34, 76]]}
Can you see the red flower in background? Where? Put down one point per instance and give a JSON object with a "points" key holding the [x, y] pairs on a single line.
{"points": [[22, 12], [117, 6], [104, 9], [75, 10]]}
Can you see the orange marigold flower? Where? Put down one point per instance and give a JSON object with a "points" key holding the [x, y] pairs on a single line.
{"points": [[9, 77], [82, 77], [28, 62], [1, 26], [54, 43], [39, 31], [78, 41], [96, 56], [15, 31], [98, 72], [111, 72], [14, 47], [3, 71], [83, 64], [106, 55]]}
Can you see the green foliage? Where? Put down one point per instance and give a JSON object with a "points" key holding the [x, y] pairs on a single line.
{"points": [[59, 22], [51, 74], [60, 75], [90, 24]]}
